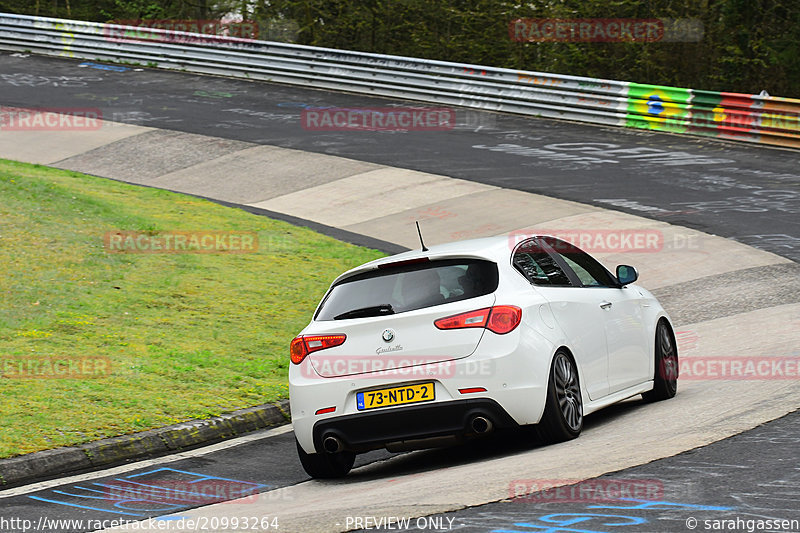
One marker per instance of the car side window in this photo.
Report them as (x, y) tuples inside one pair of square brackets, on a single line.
[(586, 278), (538, 266), (589, 270)]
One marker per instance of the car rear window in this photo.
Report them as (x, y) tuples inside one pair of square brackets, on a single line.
[(408, 287)]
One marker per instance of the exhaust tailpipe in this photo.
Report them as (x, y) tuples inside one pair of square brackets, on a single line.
[(481, 425), (332, 444)]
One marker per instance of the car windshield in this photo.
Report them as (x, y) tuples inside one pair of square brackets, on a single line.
[(408, 287)]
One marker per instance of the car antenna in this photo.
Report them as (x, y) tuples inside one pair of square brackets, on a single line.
[(424, 248)]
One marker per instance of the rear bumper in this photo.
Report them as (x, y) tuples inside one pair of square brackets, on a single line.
[(371, 430), (513, 369)]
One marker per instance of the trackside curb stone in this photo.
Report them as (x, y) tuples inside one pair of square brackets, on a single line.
[(49, 463)]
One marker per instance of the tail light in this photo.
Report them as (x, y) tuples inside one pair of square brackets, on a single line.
[(472, 319), (504, 318), (500, 319), (305, 344)]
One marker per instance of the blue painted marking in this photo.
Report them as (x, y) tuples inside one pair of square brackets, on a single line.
[(200, 477), (88, 490), (154, 490), (303, 106), (557, 524), (584, 517), (84, 495), (654, 106), (150, 508), (84, 506), (119, 504), (545, 529), (359, 111), (98, 66), (650, 504), (561, 525), (149, 496)]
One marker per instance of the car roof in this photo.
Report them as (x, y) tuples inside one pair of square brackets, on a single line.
[(496, 249)]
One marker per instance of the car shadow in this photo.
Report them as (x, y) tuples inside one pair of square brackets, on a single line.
[(502, 443)]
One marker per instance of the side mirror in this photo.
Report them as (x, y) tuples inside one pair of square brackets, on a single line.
[(626, 274)]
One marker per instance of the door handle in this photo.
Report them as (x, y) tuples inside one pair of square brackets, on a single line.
[(605, 305)]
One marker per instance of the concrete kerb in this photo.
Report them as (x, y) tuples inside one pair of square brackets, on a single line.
[(24, 469)]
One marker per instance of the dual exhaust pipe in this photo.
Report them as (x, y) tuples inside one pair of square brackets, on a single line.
[(479, 425)]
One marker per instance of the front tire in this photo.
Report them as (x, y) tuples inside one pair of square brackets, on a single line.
[(563, 412), (325, 465), (665, 381)]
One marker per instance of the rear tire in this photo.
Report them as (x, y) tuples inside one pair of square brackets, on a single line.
[(325, 465), (665, 380), (563, 412)]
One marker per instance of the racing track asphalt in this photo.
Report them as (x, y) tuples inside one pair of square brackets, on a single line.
[(762, 176), (744, 192), (729, 485), (750, 476)]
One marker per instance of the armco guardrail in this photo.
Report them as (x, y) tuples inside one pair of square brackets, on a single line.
[(743, 117)]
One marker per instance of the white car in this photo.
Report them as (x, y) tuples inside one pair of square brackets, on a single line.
[(436, 346)]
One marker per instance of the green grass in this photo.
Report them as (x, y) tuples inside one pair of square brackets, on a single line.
[(187, 335)]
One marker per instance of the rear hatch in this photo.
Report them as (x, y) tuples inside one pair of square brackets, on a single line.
[(389, 315)]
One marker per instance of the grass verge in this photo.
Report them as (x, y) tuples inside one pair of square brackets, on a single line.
[(185, 335)]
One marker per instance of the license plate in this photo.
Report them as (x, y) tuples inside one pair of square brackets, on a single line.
[(420, 392)]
